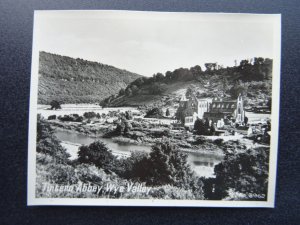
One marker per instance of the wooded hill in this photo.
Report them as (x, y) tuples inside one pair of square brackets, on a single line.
[(69, 80), (252, 78)]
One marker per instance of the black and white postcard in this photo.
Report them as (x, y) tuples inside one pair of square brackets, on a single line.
[(132, 108)]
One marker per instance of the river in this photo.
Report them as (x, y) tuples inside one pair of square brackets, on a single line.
[(202, 164)]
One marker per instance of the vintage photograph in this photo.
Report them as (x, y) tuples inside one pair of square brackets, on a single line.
[(154, 109)]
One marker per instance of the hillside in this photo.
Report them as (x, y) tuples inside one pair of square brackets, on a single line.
[(70, 80), (253, 79)]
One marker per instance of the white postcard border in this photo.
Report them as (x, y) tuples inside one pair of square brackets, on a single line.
[(31, 181)]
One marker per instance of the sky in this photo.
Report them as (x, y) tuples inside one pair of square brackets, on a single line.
[(151, 42)]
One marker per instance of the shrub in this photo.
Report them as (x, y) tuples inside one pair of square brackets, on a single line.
[(89, 115), (128, 115), (218, 141), (200, 140), (155, 113), (96, 153), (52, 117), (55, 105)]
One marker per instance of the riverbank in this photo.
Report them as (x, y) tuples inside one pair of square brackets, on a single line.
[(90, 130), (185, 143)]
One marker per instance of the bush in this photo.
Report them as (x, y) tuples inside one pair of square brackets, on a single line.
[(96, 153), (79, 119), (201, 127), (52, 117), (55, 105), (128, 115), (70, 118), (89, 115), (200, 140), (218, 141), (154, 113)]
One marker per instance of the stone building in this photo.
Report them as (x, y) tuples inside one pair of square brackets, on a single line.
[(218, 111), (195, 108), (227, 110)]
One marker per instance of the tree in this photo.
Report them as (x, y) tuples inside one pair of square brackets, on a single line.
[(169, 75), (134, 89), (157, 88), (105, 102), (167, 112), (128, 115), (139, 81), (133, 166), (96, 153), (202, 127), (154, 113), (199, 127), (121, 92), (246, 120), (98, 116), (47, 142), (159, 77), (55, 105), (196, 70), (128, 92), (238, 88), (189, 92), (128, 127), (210, 66), (52, 117), (183, 74), (167, 165), (225, 86), (122, 128), (242, 170), (212, 129), (206, 123), (119, 129), (89, 115)]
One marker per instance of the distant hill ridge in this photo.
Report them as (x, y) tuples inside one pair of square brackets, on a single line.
[(70, 80)]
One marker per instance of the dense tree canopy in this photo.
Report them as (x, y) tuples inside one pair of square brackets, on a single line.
[(165, 165), (244, 78), (47, 142), (72, 80), (202, 127), (242, 171)]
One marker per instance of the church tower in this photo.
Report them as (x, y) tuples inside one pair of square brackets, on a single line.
[(183, 101)]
